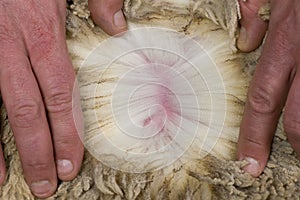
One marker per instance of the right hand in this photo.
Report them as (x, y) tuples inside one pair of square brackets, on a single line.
[(275, 84)]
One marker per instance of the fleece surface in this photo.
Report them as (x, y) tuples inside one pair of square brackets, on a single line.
[(214, 176)]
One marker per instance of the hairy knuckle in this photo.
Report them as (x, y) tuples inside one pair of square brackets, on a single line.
[(261, 102), (44, 35), (42, 42), (24, 112)]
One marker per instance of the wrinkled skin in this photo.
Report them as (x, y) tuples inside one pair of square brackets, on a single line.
[(276, 81), (37, 81)]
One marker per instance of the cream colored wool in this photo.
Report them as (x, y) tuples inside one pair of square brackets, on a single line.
[(217, 175)]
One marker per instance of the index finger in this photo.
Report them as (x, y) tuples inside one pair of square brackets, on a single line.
[(266, 97)]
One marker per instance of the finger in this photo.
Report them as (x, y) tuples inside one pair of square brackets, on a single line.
[(253, 28), (54, 72), (2, 162), (108, 15), (2, 167), (266, 97), (28, 120), (291, 119)]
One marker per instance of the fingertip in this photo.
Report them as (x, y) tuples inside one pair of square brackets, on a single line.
[(242, 42), (119, 20), (108, 15), (68, 169), (69, 162), (112, 24), (253, 167), (251, 37), (256, 155), (254, 150), (253, 28), (65, 169), (43, 189)]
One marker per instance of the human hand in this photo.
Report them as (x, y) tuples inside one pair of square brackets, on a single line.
[(275, 84), (36, 82)]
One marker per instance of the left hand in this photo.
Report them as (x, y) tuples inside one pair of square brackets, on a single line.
[(276, 81)]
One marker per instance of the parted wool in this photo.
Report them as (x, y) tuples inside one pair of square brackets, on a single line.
[(153, 96), (162, 106), (158, 98)]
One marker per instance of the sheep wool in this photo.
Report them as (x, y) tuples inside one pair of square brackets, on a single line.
[(162, 105)]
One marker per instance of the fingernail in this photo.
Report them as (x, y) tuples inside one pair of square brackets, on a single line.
[(242, 40), (41, 188), (119, 19), (64, 167), (253, 167)]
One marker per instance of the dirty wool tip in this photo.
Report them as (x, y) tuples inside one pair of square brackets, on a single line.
[(149, 97)]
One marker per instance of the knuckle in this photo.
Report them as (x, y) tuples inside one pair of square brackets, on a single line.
[(291, 125), (24, 112), (261, 102), (44, 36), (43, 41), (70, 141), (37, 166), (283, 45), (59, 99), (253, 140), (4, 32), (8, 34)]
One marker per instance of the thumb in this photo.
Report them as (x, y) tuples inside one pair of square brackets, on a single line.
[(253, 28), (108, 15)]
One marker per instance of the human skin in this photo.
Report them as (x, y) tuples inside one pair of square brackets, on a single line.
[(36, 83), (276, 81)]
